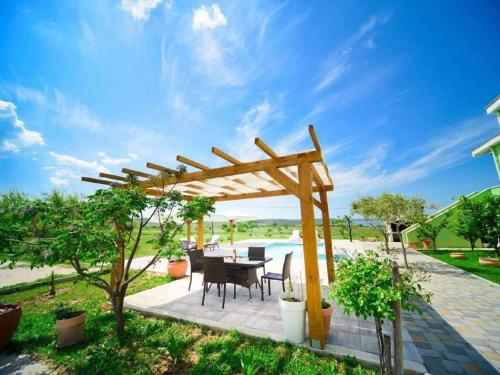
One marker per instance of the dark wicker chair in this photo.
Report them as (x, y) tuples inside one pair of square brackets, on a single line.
[(188, 245), (195, 263), (277, 276), (257, 253), (214, 272)]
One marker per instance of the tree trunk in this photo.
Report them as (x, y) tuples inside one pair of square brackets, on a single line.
[(403, 246), (434, 243), (380, 339), (472, 244), (386, 242), (387, 355), (118, 310)]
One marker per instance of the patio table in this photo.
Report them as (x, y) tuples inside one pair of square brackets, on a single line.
[(243, 271)]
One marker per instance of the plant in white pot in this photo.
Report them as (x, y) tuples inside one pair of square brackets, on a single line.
[(293, 313)]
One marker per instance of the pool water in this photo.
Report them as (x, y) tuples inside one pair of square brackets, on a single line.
[(277, 250)]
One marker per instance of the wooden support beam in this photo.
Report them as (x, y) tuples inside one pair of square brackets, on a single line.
[(99, 181), (317, 146), (235, 161), (327, 236), (267, 194), (199, 235), (231, 231), (313, 286)]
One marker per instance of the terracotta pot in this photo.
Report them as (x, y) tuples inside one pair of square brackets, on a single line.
[(70, 331), (427, 244), (177, 269), (10, 316), (412, 244), (457, 255), (490, 262), (327, 319)]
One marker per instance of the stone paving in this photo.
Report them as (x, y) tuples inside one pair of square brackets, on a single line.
[(460, 332), (23, 274)]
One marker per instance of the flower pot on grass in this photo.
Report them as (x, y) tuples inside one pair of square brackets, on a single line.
[(412, 245), (177, 264), (327, 309), (427, 244), (457, 255), (10, 316), (69, 326), (490, 262), (177, 268)]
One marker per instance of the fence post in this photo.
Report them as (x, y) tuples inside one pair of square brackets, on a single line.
[(397, 330)]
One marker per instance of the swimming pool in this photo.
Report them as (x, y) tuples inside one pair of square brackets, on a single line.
[(277, 250)]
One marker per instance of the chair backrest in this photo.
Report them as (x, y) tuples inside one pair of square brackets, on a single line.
[(287, 264), (185, 245), (295, 235), (214, 270), (195, 260), (215, 239), (256, 253)]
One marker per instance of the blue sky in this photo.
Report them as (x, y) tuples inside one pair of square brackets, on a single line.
[(396, 91)]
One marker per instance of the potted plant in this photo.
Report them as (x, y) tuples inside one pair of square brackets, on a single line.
[(10, 316), (293, 314), (327, 309), (69, 325), (490, 262), (177, 264), (427, 243)]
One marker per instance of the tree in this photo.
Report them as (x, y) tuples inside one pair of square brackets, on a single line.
[(104, 229), (386, 209), (491, 222), (364, 287), (251, 225), (429, 230), (467, 220)]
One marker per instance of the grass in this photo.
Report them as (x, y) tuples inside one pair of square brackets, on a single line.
[(152, 346), (470, 264), (278, 231)]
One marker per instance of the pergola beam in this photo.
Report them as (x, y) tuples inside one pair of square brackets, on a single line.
[(161, 168), (267, 194), (317, 146)]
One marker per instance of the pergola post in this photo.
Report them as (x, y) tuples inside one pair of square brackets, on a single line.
[(231, 230), (199, 237), (188, 230), (313, 287), (327, 236)]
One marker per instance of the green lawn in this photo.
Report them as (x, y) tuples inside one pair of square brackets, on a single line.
[(471, 264), (150, 345), (262, 231)]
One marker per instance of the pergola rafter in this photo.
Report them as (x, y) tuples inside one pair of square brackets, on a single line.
[(294, 174)]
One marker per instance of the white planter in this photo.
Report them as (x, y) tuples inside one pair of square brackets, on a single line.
[(294, 320)]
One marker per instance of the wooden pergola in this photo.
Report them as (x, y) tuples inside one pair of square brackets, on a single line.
[(300, 174)]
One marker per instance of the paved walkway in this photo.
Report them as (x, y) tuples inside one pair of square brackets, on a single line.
[(22, 364), (461, 328), (24, 274)]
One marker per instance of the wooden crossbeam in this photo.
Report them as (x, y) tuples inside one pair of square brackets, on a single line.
[(99, 181), (235, 161), (161, 168), (317, 146), (137, 173), (269, 151), (203, 167), (267, 194), (113, 177)]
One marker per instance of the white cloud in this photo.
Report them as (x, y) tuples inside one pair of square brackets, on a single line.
[(71, 161), (21, 137), (57, 181), (140, 9), (73, 114), (208, 18), (106, 159), (444, 150), (250, 126), (337, 65)]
